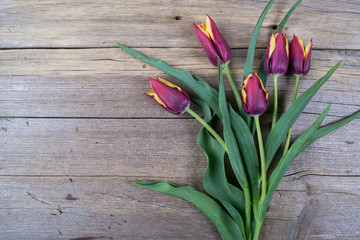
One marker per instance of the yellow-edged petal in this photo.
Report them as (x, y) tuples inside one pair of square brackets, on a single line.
[(286, 45), (307, 48), (262, 86), (208, 27), (169, 84), (153, 95), (272, 44)]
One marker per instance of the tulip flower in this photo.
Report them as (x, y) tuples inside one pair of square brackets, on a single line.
[(171, 97), (277, 55), (276, 63), (254, 96), (213, 42), (300, 56)]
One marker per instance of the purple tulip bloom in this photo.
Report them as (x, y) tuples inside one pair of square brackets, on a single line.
[(213, 42), (254, 96), (171, 97)]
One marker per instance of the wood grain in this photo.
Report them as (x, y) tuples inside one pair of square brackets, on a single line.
[(110, 83), (164, 23), (112, 208), (140, 148), (76, 127)]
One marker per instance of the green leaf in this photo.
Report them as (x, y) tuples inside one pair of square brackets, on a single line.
[(245, 142), (328, 129), (198, 86), (278, 133), (283, 164), (248, 68), (226, 226), (232, 149), (262, 73), (215, 181)]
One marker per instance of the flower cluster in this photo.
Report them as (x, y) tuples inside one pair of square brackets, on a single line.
[(279, 59), (238, 210)]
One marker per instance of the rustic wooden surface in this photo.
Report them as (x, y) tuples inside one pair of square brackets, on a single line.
[(76, 127)]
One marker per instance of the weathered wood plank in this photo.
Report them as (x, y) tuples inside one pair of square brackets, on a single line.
[(79, 128), (95, 208), (146, 148), (160, 23), (110, 83), (113, 208)]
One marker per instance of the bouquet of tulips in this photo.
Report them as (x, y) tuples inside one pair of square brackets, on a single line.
[(238, 209)]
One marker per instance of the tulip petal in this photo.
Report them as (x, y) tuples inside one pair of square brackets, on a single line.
[(169, 96), (308, 48), (269, 52), (254, 95), (296, 56), (169, 84), (300, 56), (307, 59), (153, 95), (220, 43), (286, 45), (207, 43), (280, 58), (271, 45)]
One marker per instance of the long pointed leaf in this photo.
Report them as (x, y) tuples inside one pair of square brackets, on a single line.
[(245, 142), (215, 181), (232, 149), (278, 133), (226, 226), (248, 68), (328, 129), (287, 159)]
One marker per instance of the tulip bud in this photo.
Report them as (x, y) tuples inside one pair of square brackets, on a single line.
[(213, 42), (169, 96), (254, 96), (300, 56), (277, 54)]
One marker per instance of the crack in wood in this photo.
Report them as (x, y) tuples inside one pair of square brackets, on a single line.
[(39, 199)]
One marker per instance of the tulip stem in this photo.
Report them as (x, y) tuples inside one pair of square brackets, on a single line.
[(263, 176), (275, 76), (257, 230), (262, 159), (233, 85), (287, 143), (208, 127)]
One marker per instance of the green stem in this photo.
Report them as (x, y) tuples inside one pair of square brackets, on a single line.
[(262, 159), (287, 143), (275, 76), (263, 174), (208, 127), (233, 85), (257, 230)]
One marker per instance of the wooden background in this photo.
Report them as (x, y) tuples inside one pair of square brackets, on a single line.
[(76, 127)]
